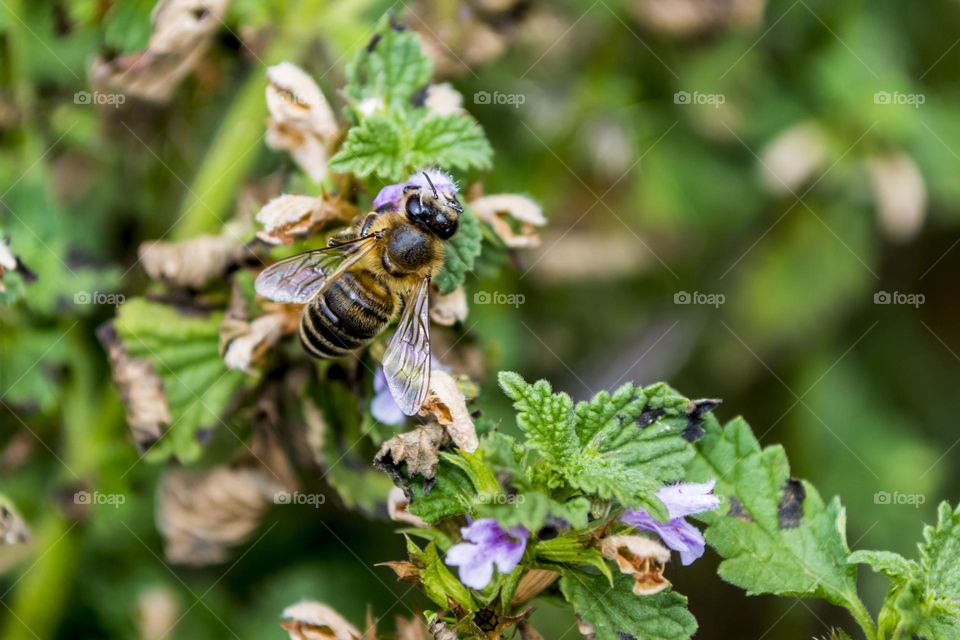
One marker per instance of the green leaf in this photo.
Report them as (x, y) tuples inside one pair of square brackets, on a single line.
[(532, 509), (616, 613), (439, 583), (448, 494), (625, 405), (545, 418), (127, 25), (890, 564), (460, 252), (185, 354), (570, 550), (451, 141), (392, 68), (777, 536), (374, 147), (30, 359), (940, 558)]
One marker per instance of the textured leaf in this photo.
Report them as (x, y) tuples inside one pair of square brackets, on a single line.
[(777, 536), (940, 557), (890, 564), (545, 417), (570, 550), (460, 252), (439, 583), (453, 141), (617, 614), (184, 352), (392, 68), (374, 147)]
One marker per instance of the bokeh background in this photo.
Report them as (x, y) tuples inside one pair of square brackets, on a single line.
[(755, 201)]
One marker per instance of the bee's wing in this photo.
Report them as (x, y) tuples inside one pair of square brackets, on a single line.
[(406, 362), (296, 280)]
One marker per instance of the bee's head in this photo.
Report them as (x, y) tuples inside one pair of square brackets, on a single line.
[(437, 212)]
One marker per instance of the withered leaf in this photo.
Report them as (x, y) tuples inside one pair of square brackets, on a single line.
[(311, 620), (141, 390), (640, 557), (195, 262), (448, 406), (417, 449)]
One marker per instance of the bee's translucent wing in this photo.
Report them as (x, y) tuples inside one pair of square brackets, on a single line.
[(406, 362), (297, 279)]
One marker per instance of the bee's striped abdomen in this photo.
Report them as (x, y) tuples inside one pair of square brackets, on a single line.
[(348, 315)]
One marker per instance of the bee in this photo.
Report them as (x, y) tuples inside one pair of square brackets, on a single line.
[(357, 285)]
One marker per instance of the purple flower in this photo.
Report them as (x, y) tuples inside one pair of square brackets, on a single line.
[(383, 407), (487, 544), (390, 194), (682, 499)]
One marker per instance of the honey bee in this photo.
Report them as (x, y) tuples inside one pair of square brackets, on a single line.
[(357, 285)]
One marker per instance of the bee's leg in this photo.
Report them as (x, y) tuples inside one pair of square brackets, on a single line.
[(367, 223)]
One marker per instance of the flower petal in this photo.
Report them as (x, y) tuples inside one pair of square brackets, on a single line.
[(687, 498)]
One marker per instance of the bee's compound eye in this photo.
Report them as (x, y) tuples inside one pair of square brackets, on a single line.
[(413, 206)]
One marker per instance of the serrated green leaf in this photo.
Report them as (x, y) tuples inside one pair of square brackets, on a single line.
[(940, 557), (778, 536), (391, 69), (890, 564), (545, 417), (452, 141), (605, 410), (185, 354), (373, 147), (459, 253), (449, 494), (616, 613)]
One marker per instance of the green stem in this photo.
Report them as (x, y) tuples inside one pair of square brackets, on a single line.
[(863, 618)]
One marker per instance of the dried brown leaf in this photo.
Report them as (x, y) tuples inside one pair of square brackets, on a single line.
[(502, 209), (448, 309), (193, 263), (182, 33), (412, 629), (417, 449), (448, 406), (532, 584), (141, 391), (641, 557), (311, 620), (289, 217), (406, 571), (397, 503)]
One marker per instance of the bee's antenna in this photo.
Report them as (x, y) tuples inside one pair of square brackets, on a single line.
[(430, 182)]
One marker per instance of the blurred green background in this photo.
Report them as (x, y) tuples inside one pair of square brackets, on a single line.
[(753, 201)]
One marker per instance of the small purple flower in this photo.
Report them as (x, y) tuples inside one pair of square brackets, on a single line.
[(487, 544), (383, 407), (391, 194), (682, 499)]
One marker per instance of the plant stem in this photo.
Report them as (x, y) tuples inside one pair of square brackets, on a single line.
[(863, 618)]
